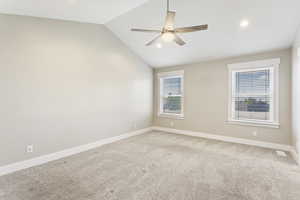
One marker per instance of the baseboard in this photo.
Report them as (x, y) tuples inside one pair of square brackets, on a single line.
[(295, 156), (232, 139), (65, 153)]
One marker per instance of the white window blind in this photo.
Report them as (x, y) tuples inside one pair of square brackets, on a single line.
[(252, 97), (254, 92), (171, 94)]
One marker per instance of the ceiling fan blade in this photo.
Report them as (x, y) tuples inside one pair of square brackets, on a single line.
[(191, 29), (154, 40), (145, 30), (169, 24), (178, 40)]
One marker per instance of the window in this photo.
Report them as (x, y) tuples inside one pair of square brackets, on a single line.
[(253, 98), (171, 94)]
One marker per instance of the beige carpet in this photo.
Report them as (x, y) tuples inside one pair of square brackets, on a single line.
[(160, 166)]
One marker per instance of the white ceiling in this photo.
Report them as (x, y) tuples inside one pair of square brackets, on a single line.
[(273, 25), (92, 11)]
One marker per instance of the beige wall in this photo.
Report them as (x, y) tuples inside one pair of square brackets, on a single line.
[(65, 84), (296, 93), (206, 99)]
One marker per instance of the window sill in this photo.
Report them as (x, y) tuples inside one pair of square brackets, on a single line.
[(253, 123), (171, 116)]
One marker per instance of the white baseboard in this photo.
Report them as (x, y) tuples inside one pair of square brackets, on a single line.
[(269, 145), (295, 156), (68, 152), (65, 153)]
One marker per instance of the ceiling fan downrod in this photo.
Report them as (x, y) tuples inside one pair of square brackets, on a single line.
[(168, 6)]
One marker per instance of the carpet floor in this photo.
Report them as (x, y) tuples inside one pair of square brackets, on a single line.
[(160, 166)]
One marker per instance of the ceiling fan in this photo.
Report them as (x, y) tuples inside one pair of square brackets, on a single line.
[(169, 32)]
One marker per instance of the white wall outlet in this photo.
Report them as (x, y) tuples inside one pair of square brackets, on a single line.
[(29, 149), (281, 153), (172, 124), (298, 51), (254, 133)]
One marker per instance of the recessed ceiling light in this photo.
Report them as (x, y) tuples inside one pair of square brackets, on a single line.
[(158, 45), (244, 23)]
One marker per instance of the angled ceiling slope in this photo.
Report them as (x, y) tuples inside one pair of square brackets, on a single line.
[(272, 25), (91, 11)]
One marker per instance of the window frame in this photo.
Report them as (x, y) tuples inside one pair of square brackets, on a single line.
[(164, 75), (273, 66)]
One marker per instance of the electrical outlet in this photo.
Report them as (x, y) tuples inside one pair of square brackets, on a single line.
[(29, 149), (171, 123), (254, 133), (281, 153)]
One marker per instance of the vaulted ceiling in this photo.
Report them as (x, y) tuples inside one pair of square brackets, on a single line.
[(272, 24), (92, 11)]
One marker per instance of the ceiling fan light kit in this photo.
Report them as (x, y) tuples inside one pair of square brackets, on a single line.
[(169, 33), (168, 37)]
